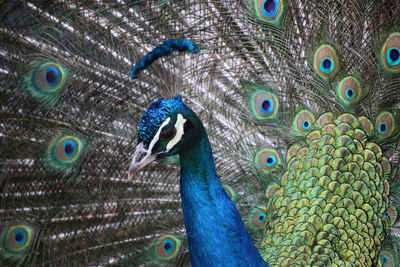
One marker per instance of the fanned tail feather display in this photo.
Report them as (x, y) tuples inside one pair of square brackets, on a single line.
[(273, 123)]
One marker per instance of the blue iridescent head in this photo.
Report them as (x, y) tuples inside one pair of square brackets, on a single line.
[(166, 128), (158, 112)]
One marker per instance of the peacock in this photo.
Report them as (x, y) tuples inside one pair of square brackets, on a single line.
[(199, 133)]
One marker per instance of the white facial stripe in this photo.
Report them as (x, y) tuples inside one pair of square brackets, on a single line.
[(157, 136), (140, 150), (180, 122)]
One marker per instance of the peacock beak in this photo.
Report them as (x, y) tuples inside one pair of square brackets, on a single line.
[(140, 159)]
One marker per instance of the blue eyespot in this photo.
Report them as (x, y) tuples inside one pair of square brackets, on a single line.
[(382, 128), (20, 237), (262, 217), (168, 246), (64, 152), (271, 160), (306, 125), (52, 76), (267, 106), (384, 259), (350, 93), (393, 56), (257, 218), (386, 214), (270, 8), (327, 65), (69, 148)]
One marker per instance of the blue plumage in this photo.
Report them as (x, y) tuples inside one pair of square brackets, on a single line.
[(216, 233), (214, 228), (157, 112), (165, 49)]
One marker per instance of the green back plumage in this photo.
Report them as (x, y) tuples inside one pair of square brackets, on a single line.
[(301, 108)]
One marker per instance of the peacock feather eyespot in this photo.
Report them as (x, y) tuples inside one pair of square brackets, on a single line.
[(306, 125), (264, 105), (392, 213), (49, 76), (269, 11), (385, 124), (267, 106), (384, 259), (267, 159), (167, 247), (64, 152), (257, 218), (326, 61), (16, 240), (327, 65), (303, 122), (349, 90), (46, 80), (388, 258), (391, 52), (382, 129)]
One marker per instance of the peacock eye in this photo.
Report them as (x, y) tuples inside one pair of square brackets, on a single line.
[(385, 124), (267, 159), (326, 61), (391, 53), (349, 90), (257, 218), (65, 152), (391, 213), (303, 122), (269, 11), (167, 133), (167, 247), (264, 105), (387, 258), (49, 76), (17, 238)]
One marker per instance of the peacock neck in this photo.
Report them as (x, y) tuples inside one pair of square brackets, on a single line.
[(215, 230), (197, 163)]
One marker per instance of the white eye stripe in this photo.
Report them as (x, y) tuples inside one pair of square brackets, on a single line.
[(179, 125), (157, 136)]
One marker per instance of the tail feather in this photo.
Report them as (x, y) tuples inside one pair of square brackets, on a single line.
[(261, 87)]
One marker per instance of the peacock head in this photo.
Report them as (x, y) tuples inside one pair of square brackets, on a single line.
[(168, 127)]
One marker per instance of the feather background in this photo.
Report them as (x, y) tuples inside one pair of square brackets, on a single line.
[(86, 211)]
